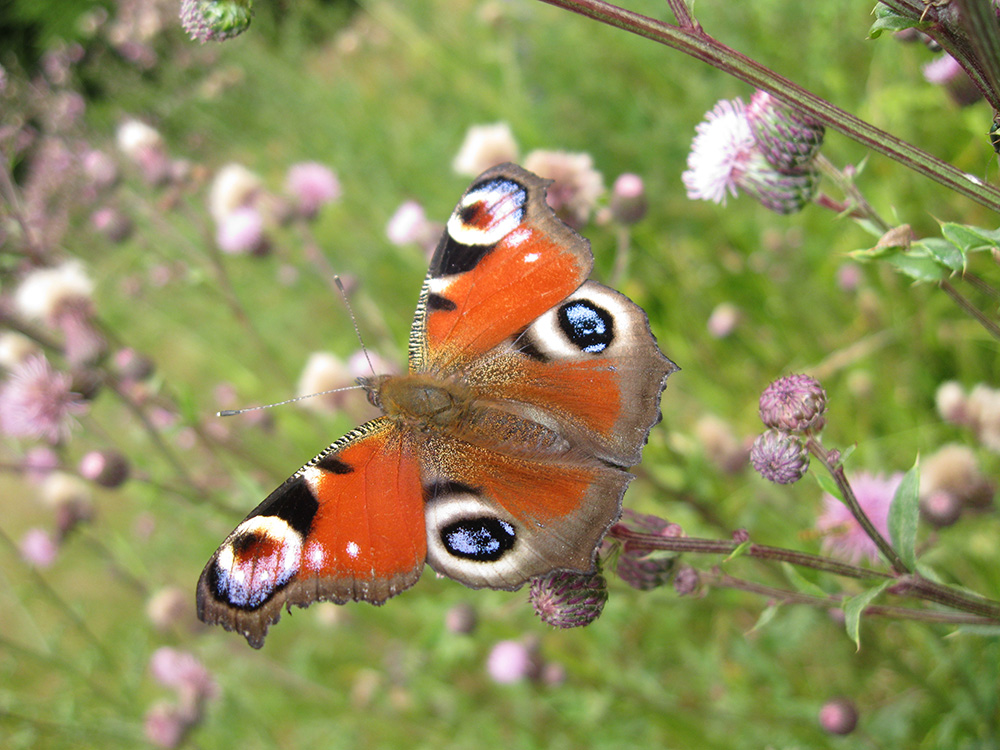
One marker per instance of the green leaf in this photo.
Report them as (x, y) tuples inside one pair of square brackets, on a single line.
[(903, 516), (854, 606), (947, 253), (887, 19), (828, 485), (919, 268), (739, 551), (765, 617), (970, 238), (800, 582)]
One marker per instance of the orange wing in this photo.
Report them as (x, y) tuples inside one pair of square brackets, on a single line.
[(349, 525)]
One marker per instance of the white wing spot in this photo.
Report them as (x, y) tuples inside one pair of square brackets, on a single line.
[(531, 257), (353, 550)]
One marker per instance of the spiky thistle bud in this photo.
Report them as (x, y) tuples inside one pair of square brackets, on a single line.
[(794, 403), (779, 457), (788, 138), (569, 600), (215, 20)]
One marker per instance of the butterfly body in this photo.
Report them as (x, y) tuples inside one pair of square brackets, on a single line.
[(500, 456)]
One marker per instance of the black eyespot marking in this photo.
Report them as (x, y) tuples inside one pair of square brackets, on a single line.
[(453, 257), (484, 539), (588, 326), (437, 302), (445, 488), (293, 503), (333, 465)]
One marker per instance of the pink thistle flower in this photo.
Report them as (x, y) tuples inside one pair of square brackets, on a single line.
[(726, 157), (241, 231), (183, 672), (510, 662), (38, 548), (722, 146), (324, 372), (36, 402), (144, 146), (62, 298), (313, 185), (165, 725), (628, 198), (485, 146), (843, 536), (575, 187), (409, 225)]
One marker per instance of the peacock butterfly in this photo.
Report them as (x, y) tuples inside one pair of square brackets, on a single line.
[(501, 455)]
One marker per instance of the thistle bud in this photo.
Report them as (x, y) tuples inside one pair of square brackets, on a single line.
[(794, 403), (569, 600), (788, 138), (779, 457), (215, 20)]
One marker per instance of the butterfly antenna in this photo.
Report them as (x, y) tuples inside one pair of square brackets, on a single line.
[(234, 412), (354, 321)]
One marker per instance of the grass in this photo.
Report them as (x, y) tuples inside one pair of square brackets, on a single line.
[(384, 94)]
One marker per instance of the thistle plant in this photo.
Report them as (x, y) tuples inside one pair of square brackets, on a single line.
[(809, 547)]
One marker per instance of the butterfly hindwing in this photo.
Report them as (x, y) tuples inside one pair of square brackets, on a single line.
[(348, 526)]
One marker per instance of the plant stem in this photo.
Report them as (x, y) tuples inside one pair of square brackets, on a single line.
[(696, 43), (635, 541), (721, 580), (836, 470), (992, 328)]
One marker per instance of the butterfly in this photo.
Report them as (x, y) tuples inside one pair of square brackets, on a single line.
[(500, 456)]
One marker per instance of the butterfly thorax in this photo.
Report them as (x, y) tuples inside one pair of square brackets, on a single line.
[(420, 401)]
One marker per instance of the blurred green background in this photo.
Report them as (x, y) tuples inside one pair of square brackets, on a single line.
[(383, 92)]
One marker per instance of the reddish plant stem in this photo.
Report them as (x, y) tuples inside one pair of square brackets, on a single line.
[(696, 43)]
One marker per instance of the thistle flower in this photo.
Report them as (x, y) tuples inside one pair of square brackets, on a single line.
[(720, 444), (409, 225), (15, 348), (183, 672), (144, 146), (954, 471), (68, 498), (794, 403), (38, 548), (512, 661), (575, 187), (312, 185), (324, 372), (568, 600), (215, 20), (843, 536), (779, 457), (725, 158), (485, 146), (628, 198), (723, 320), (112, 223), (946, 71), (169, 607), (838, 716), (36, 402), (61, 298), (788, 138), (461, 619), (241, 231), (234, 187), (106, 468), (165, 725)]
